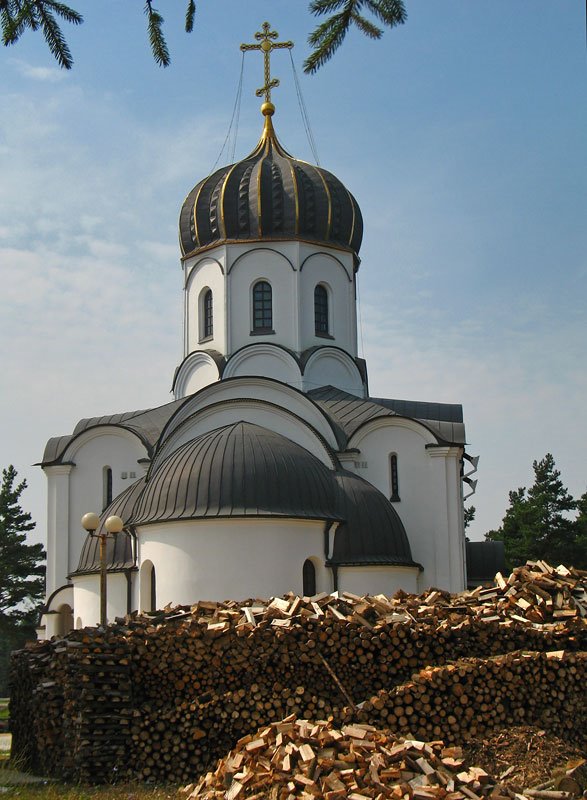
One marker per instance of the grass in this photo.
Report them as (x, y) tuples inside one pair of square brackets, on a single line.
[(59, 791), (3, 708)]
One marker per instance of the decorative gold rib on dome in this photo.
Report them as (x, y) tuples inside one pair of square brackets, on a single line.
[(195, 213), (328, 195), (350, 242)]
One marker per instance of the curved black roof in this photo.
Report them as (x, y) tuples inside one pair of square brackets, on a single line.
[(236, 471), (372, 532), (270, 194), (119, 550), (244, 470)]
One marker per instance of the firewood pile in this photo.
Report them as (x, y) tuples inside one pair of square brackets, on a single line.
[(299, 758), (70, 702), (162, 696)]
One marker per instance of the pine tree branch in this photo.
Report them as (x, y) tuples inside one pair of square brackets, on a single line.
[(366, 27), (156, 37), (329, 35), (54, 37), (189, 16)]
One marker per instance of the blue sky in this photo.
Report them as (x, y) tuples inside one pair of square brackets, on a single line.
[(463, 136)]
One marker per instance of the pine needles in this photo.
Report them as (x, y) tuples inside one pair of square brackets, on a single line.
[(18, 15), (329, 35)]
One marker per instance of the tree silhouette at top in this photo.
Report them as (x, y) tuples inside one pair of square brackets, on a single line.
[(16, 16)]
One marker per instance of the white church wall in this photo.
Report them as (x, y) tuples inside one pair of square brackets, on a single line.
[(266, 360), (275, 419), (331, 367), (236, 558), (91, 452), (268, 391), (335, 273), (86, 597), (429, 498), (57, 526), (377, 579), (197, 371), (262, 264), (205, 273)]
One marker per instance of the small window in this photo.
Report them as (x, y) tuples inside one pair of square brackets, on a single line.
[(309, 578), (208, 329), (321, 310), (106, 487), (153, 590), (262, 307), (393, 474)]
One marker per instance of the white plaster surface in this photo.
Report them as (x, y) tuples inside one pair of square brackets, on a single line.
[(234, 558)]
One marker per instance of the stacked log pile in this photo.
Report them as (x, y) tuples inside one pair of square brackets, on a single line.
[(473, 696), (204, 676), (298, 758), (71, 705)]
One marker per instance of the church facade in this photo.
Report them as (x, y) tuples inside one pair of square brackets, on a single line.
[(272, 469)]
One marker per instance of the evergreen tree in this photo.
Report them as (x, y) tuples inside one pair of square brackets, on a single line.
[(18, 15), (22, 575), (536, 525), (581, 533)]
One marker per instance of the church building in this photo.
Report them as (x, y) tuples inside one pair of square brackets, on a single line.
[(272, 469)]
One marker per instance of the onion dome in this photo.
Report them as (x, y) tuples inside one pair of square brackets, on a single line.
[(239, 470), (270, 195), (372, 532)]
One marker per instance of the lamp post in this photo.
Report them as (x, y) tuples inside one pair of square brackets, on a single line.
[(113, 526)]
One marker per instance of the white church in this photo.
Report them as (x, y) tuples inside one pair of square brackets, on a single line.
[(272, 469)]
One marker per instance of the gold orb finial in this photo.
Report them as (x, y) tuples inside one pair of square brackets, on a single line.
[(267, 109)]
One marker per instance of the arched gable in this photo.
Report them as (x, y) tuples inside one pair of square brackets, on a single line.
[(324, 254), (264, 359), (261, 389), (268, 415), (332, 366)]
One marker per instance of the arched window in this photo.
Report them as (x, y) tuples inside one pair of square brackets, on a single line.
[(64, 620), (262, 307), (393, 478), (106, 487), (320, 310), (148, 587), (153, 590), (309, 578), (208, 327)]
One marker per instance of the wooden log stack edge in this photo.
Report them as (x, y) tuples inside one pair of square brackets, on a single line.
[(162, 696)]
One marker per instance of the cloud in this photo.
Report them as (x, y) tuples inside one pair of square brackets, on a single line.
[(43, 74)]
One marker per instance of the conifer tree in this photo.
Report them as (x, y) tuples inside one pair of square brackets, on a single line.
[(16, 16), (22, 582), (536, 525)]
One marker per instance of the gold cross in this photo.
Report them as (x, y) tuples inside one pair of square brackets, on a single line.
[(266, 46)]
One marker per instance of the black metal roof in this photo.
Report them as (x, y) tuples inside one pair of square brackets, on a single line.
[(444, 420), (372, 532), (270, 194), (119, 550), (244, 470), (147, 424), (236, 471)]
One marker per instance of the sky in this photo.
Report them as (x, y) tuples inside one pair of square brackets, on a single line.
[(463, 136)]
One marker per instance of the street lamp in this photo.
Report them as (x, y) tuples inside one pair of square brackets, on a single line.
[(113, 526)]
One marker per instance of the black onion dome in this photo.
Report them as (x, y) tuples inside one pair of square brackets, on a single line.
[(372, 532), (239, 470), (270, 194)]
